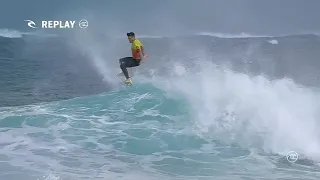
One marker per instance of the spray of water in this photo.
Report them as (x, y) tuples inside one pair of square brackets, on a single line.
[(100, 56), (276, 116)]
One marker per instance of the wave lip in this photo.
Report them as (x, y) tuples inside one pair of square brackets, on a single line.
[(224, 35), (10, 33), (247, 35)]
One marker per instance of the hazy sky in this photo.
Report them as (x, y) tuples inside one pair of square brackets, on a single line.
[(165, 17)]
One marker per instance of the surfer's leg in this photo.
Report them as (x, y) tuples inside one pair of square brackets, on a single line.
[(127, 62), (123, 66)]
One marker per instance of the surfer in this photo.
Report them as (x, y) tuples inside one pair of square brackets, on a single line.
[(137, 56)]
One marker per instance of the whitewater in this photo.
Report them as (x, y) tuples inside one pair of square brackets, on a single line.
[(213, 106)]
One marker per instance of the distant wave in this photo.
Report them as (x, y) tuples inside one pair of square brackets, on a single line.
[(150, 37), (246, 35), (220, 35), (224, 35), (273, 41), (230, 36), (11, 33), (213, 34)]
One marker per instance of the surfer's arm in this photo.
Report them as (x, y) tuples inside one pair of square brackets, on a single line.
[(142, 55), (142, 52)]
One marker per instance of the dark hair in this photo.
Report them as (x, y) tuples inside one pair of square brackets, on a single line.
[(130, 34)]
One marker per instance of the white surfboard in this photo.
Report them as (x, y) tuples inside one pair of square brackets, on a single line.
[(122, 77)]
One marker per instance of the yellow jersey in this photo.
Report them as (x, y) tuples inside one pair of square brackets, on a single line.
[(136, 49)]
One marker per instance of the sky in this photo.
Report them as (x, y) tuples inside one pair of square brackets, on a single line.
[(170, 17)]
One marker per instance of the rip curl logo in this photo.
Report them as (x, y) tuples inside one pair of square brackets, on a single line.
[(31, 24)]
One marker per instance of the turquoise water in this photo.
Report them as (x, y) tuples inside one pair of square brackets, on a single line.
[(134, 132)]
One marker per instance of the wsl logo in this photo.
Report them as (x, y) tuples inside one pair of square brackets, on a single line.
[(57, 24)]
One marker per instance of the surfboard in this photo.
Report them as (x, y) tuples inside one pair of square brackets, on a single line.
[(122, 77)]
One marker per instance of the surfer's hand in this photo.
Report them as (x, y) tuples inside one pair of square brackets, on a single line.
[(144, 58)]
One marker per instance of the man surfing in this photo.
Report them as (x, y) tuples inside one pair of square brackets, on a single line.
[(137, 56)]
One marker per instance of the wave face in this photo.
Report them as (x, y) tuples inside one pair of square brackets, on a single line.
[(201, 107)]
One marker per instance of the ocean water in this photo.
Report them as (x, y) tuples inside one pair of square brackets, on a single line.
[(203, 106)]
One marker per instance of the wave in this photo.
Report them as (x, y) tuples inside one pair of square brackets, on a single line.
[(247, 35), (11, 33), (277, 116), (220, 35), (208, 120), (213, 34), (224, 35)]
